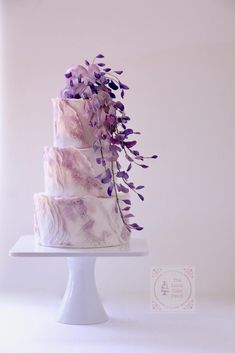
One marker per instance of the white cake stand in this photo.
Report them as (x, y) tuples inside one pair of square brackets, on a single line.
[(81, 304)]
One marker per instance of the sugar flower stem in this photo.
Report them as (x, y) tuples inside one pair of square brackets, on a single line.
[(131, 157), (126, 181), (117, 199)]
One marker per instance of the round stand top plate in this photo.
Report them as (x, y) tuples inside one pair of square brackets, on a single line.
[(27, 247)]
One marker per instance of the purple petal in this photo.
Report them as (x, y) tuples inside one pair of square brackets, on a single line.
[(154, 156), (126, 209), (98, 160), (121, 85), (136, 226), (129, 215), (101, 64), (97, 75), (144, 166), (122, 188), (119, 72), (122, 174), (107, 69), (113, 85), (135, 152), (68, 74), (119, 105), (130, 144), (105, 180), (129, 167), (110, 189), (99, 56), (129, 158), (140, 187), (112, 95), (131, 185), (128, 202), (128, 132), (141, 197), (87, 63), (108, 173), (122, 93)]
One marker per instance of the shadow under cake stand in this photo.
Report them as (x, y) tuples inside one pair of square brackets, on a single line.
[(81, 304)]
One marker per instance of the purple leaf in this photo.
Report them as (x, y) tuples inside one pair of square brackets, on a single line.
[(139, 158), (122, 188), (140, 187), (144, 166), (141, 197), (108, 177), (129, 158), (68, 74), (107, 69), (105, 180), (99, 56), (99, 176), (126, 209), (108, 173), (110, 189), (154, 156), (129, 144), (135, 152), (101, 64), (119, 72), (122, 174), (87, 63), (129, 215), (97, 75), (128, 132), (95, 147), (113, 85), (131, 185), (118, 165), (112, 95), (122, 93), (136, 226), (128, 202), (121, 85), (119, 105), (98, 160), (129, 167)]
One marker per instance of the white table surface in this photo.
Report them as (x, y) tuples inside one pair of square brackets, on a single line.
[(27, 247)]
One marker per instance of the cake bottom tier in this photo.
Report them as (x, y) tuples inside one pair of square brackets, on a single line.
[(78, 222)]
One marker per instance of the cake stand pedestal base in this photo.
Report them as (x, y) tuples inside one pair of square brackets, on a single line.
[(81, 304)]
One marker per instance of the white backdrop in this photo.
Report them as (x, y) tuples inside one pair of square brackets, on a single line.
[(178, 58)]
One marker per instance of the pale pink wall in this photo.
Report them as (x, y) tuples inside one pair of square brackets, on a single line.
[(178, 58)]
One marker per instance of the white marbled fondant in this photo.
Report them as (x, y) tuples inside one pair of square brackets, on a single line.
[(71, 123), (72, 172), (83, 222)]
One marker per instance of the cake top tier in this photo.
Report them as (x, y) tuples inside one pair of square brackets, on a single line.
[(71, 123)]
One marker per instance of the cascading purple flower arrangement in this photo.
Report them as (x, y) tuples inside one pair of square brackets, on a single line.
[(98, 85)]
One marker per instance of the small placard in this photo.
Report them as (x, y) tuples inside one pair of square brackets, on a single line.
[(172, 289)]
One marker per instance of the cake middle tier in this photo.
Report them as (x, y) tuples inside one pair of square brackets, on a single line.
[(72, 171)]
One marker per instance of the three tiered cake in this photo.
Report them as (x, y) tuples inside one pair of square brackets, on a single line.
[(86, 202)]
